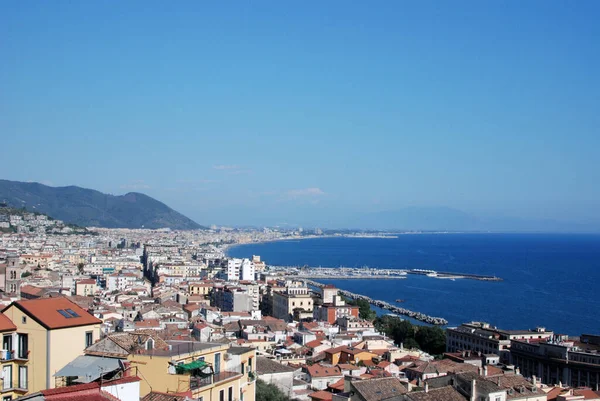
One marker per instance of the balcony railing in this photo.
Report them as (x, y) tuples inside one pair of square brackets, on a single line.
[(13, 385), (6, 355), (197, 382)]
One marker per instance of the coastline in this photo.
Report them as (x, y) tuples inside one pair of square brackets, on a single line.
[(227, 247)]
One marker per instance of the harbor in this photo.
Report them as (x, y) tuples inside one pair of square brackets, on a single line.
[(438, 321), (346, 273)]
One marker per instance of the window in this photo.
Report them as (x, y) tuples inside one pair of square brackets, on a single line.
[(230, 394), (64, 313), (22, 376), (250, 364), (243, 366), (23, 319), (72, 313), (149, 344), (222, 395), (7, 343), (7, 377), (23, 347), (89, 338)]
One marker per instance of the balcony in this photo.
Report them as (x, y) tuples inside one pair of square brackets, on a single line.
[(197, 382), (13, 385), (6, 355)]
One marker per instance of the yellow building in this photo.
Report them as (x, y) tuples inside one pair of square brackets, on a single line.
[(50, 332), (290, 301), (203, 371), (86, 287), (14, 369), (200, 288)]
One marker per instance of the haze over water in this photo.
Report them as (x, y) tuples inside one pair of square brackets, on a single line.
[(550, 280)]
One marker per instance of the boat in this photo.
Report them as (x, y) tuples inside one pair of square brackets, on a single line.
[(400, 301)]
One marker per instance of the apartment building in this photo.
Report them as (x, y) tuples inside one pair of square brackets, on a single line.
[(572, 362), (481, 337), (50, 332), (334, 309), (205, 371), (294, 302), (86, 287), (13, 360)]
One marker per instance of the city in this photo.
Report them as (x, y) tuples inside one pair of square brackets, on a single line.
[(134, 313)]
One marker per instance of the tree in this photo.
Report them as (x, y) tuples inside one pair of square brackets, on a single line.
[(80, 267), (364, 310), (25, 274), (269, 392), (431, 339)]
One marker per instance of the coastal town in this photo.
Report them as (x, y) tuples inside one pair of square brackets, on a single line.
[(130, 314)]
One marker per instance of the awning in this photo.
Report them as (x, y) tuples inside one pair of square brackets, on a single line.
[(88, 368), (188, 367)]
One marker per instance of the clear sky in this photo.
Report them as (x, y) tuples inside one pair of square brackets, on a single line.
[(271, 112)]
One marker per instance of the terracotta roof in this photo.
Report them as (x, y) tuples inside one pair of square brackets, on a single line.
[(71, 389), (379, 389), (321, 395), (6, 324), (45, 311), (323, 371), (156, 396)]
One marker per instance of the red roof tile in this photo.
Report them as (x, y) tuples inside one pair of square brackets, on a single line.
[(45, 311), (6, 324)]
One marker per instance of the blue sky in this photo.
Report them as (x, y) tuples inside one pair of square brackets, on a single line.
[(273, 112)]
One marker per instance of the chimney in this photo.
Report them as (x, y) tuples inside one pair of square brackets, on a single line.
[(426, 387), (485, 370), (517, 371), (473, 390), (534, 380), (480, 371)]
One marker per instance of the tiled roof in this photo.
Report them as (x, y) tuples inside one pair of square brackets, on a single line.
[(6, 324), (156, 396), (323, 371), (379, 389), (45, 311), (321, 395), (447, 393), (268, 366)]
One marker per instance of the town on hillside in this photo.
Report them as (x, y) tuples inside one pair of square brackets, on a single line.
[(163, 315)]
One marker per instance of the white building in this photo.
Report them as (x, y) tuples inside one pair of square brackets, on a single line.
[(247, 270), (233, 269)]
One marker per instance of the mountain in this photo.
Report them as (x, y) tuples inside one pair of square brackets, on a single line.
[(90, 208), (449, 219)]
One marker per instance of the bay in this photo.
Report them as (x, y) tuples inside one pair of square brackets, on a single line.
[(549, 280)]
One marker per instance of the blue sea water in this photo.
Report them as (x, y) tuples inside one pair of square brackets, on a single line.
[(550, 280)]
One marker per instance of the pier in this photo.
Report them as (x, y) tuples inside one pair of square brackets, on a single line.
[(387, 306)]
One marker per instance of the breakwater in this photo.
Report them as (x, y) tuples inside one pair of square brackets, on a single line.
[(386, 305)]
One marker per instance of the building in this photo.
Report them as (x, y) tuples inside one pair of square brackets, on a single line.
[(294, 299), (14, 369), (12, 284), (574, 363), (247, 271), (205, 371), (273, 372), (233, 269), (481, 337), (50, 332), (86, 287)]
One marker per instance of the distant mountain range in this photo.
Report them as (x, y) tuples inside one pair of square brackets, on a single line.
[(448, 219), (90, 208)]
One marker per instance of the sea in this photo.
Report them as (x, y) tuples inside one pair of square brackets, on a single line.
[(549, 280)]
